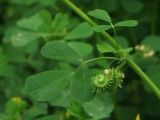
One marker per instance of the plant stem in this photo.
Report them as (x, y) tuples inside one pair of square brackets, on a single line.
[(99, 58), (130, 62), (114, 30), (88, 19)]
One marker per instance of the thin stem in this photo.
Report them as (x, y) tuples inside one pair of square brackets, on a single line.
[(88, 19), (130, 62), (111, 63), (99, 58), (114, 30), (121, 65)]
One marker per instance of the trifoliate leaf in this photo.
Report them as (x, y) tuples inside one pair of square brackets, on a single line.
[(82, 49), (63, 100), (59, 50), (30, 2), (153, 42), (99, 107), (22, 38), (101, 28), (121, 40), (100, 14), (125, 51), (104, 48), (132, 6), (83, 30), (81, 88), (47, 85), (40, 22), (71, 51), (127, 23), (60, 21)]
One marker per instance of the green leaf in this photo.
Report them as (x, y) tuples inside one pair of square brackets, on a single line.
[(122, 41), (127, 23), (22, 38), (99, 107), (63, 100), (76, 109), (71, 52), (40, 22), (9, 33), (82, 49), (132, 6), (125, 51), (81, 88), (46, 2), (152, 42), (83, 30), (51, 117), (36, 110), (14, 107), (30, 2), (101, 28), (100, 14), (46, 86), (59, 50), (60, 21), (3, 116), (104, 48), (153, 72)]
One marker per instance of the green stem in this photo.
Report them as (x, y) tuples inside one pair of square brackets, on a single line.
[(88, 19), (130, 62), (114, 30), (100, 58), (115, 34)]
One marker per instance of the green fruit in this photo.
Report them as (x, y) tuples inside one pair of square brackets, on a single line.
[(108, 79)]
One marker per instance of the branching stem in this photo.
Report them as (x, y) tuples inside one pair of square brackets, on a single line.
[(112, 41)]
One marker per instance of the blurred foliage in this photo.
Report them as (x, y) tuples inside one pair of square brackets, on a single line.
[(38, 36)]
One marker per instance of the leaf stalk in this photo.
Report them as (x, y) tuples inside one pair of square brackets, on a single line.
[(116, 46)]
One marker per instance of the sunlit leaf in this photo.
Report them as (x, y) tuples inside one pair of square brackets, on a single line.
[(104, 48), (100, 14), (101, 28), (127, 23), (83, 30)]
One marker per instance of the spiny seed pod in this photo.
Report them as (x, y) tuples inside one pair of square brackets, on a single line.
[(109, 79), (101, 80)]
